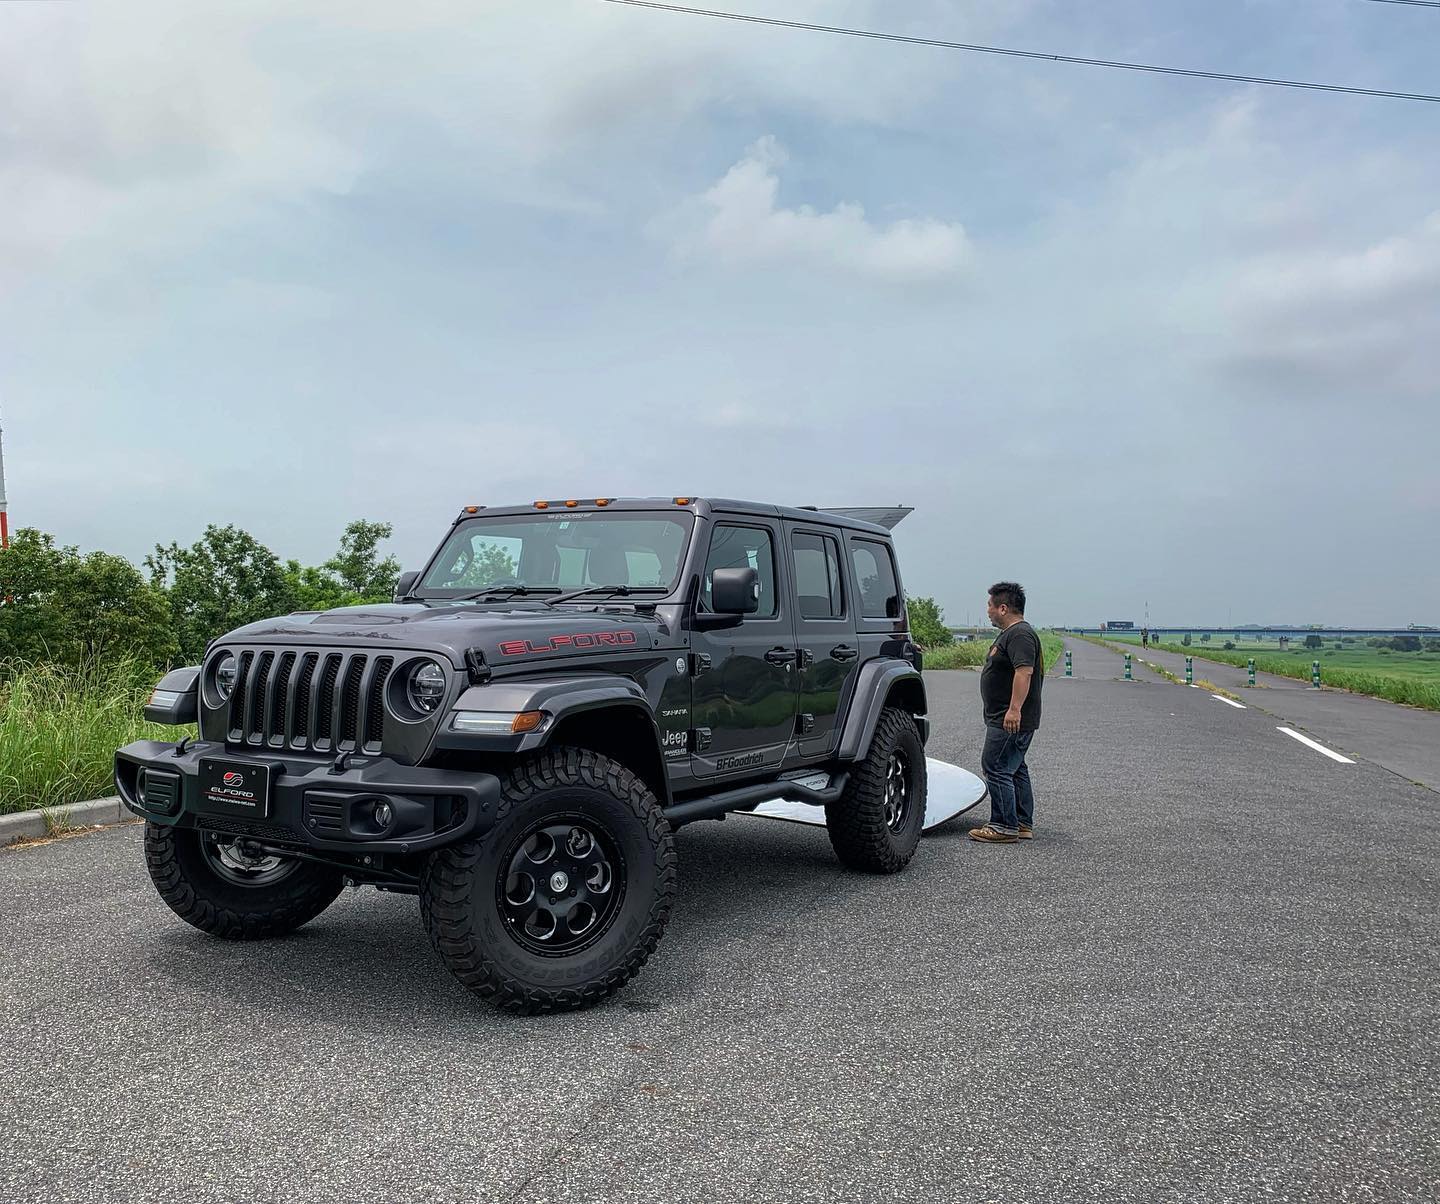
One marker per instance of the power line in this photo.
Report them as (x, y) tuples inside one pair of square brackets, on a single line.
[(1416, 3), (1028, 54)]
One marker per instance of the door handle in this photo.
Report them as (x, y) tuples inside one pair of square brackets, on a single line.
[(781, 656), (843, 652)]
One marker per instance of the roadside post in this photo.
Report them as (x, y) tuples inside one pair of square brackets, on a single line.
[(1128, 676), (1315, 674), (1067, 662), (1251, 671), (1189, 671)]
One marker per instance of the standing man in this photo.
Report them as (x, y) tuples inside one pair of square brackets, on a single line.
[(1010, 695)]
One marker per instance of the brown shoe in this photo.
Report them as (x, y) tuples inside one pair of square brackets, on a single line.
[(1027, 832), (992, 835)]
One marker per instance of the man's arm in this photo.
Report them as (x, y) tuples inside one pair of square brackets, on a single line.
[(1019, 691)]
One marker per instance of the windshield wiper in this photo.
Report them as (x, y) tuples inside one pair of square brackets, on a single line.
[(509, 591), (623, 590)]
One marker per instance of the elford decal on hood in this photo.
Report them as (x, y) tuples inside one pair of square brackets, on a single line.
[(452, 629)]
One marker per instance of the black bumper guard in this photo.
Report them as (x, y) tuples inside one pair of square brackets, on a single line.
[(311, 804)]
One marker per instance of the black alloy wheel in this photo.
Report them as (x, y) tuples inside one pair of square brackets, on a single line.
[(897, 791), (563, 885)]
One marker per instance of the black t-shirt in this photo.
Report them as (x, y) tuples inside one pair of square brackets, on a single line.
[(1015, 647)]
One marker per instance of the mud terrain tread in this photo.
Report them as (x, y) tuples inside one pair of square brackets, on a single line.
[(297, 899), (856, 823), (445, 886)]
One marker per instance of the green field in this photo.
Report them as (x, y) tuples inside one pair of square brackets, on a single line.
[(1407, 677)]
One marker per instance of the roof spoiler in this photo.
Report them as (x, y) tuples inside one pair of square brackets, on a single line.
[(882, 516)]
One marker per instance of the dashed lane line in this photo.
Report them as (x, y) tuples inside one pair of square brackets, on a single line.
[(1320, 748), (1229, 702)]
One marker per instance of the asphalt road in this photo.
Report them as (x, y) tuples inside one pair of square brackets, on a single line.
[(1210, 977), (1405, 740)]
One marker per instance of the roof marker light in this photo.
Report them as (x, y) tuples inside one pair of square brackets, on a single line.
[(571, 505), (682, 501), (602, 501), (542, 505)]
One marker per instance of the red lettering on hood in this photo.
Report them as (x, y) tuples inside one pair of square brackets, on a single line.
[(579, 639)]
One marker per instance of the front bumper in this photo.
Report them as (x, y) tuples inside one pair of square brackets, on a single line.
[(311, 805)]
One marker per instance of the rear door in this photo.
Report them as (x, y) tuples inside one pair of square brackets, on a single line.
[(824, 636), (743, 683)]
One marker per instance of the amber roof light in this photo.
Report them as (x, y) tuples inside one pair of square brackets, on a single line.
[(542, 505), (683, 501)]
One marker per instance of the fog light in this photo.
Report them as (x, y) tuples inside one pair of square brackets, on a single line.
[(140, 788), (383, 814)]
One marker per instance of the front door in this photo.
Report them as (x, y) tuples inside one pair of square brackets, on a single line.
[(824, 636), (743, 683)]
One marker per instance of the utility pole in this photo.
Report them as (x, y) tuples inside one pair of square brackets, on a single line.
[(4, 518)]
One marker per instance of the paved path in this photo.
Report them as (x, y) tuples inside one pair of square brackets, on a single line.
[(1212, 977), (1405, 740)]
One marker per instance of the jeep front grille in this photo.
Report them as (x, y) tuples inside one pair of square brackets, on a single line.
[(320, 701)]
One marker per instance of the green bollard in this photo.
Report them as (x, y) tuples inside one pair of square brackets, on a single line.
[(1315, 674), (1189, 671), (1251, 670), (1067, 662), (1127, 668)]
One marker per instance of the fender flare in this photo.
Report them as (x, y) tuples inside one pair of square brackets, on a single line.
[(877, 678), (560, 697)]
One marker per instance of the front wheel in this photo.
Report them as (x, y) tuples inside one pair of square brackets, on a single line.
[(875, 825), (568, 894), (229, 887)]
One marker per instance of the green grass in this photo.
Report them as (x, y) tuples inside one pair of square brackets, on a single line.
[(971, 655), (59, 729), (1412, 678)]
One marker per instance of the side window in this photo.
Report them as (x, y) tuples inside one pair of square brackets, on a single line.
[(875, 575), (817, 576), (739, 548)]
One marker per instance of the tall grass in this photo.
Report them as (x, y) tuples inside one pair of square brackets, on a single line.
[(60, 727), (971, 655)]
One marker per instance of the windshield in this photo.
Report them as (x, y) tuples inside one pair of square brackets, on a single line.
[(560, 551)]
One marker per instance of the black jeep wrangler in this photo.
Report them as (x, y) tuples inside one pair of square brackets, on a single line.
[(517, 736)]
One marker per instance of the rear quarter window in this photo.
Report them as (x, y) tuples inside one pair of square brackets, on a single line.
[(875, 579)]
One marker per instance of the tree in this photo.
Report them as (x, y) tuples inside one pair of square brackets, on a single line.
[(1314, 641), (1406, 643), (927, 623), (226, 579), (1205, 638), (63, 607), (1186, 640), (357, 565), (1432, 645)]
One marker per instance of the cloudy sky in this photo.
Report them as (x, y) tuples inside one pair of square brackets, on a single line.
[(1123, 337)]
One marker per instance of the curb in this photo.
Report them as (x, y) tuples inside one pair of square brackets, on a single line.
[(36, 825)]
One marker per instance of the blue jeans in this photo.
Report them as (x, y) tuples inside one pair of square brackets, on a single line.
[(1003, 762)]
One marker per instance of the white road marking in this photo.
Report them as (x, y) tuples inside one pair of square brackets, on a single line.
[(1239, 706), (1320, 748)]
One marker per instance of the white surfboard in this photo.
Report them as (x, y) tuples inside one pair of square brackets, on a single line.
[(951, 791)]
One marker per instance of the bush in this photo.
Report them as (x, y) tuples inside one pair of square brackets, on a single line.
[(1314, 641), (927, 623), (1229, 645)]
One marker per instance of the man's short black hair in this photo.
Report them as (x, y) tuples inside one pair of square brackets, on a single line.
[(1011, 594)]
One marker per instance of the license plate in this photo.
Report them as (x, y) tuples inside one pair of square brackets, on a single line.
[(237, 788)]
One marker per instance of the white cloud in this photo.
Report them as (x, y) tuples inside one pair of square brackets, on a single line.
[(739, 222)]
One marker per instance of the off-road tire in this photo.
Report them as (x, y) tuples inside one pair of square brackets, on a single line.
[(859, 833), (462, 913), (196, 893)]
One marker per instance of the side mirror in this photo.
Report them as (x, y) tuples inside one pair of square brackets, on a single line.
[(176, 700), (735, 591), (404, 584)]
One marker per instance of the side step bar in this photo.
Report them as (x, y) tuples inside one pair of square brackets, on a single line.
[(715, 806)]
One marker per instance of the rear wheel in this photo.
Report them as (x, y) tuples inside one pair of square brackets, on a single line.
[(228, 886), (567, 896), (875, 825)]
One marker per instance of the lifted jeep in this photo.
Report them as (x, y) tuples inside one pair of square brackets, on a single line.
[(517, 736)]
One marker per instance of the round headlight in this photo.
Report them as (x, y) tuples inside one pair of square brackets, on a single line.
[(426, 686), (225, 675)]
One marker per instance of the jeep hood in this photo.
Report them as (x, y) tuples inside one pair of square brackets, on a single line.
[(505, 637)]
